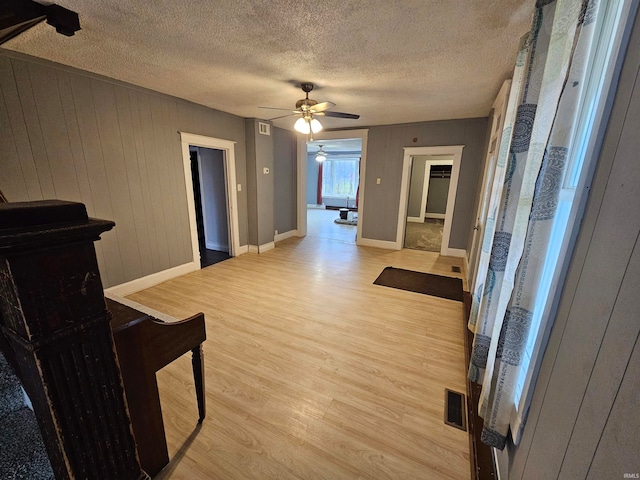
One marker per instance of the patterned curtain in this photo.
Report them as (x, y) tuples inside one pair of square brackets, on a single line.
[(553, 62)]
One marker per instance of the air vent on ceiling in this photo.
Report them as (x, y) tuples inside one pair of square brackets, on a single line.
[(264, 128)]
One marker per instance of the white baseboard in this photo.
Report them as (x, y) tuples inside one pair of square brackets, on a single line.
[(262, 248), (217, 246), (153, 279), (415, 219), (141, 308), (370, 242), (456, 252), (266, 247), (434, 215), (242, 249), (283, 236)]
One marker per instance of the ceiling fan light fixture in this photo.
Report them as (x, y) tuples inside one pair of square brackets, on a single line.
[(316, 126), (302, 126), (321, 155)]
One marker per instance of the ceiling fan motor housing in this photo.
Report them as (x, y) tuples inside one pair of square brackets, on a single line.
[(306, 103)]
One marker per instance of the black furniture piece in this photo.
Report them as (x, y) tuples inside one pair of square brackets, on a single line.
[(55, 332)]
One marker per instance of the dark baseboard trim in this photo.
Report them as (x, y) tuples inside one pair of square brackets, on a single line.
[(482, 464)]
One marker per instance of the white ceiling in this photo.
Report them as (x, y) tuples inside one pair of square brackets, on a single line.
[(388, 61)]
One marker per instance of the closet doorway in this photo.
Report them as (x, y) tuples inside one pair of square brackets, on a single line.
[(429, 184)]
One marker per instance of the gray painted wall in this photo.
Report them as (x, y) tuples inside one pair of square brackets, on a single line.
[(384, 159), (416, 186), (312, 180), (214, 199), (260, 186), (285, 173), (584, 420), (437, 195), (72, 135)]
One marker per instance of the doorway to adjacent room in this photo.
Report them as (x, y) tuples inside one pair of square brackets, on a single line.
[(429, 183), (210, 198)]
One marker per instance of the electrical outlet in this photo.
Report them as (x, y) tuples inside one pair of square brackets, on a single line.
[(378, 180)]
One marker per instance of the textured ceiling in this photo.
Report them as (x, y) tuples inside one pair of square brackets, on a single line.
[(388, 61)]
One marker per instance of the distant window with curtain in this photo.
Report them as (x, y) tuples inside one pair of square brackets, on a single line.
[(340, 177)]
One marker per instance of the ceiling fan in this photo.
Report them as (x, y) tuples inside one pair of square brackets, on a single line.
[(308, 108)]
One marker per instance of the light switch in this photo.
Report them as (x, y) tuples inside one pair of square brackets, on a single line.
[(378, 180), (239, 187), (265, 170)]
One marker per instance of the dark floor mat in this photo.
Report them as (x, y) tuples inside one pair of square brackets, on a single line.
[(426, 283)]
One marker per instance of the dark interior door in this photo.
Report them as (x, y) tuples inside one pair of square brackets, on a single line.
[(197, 197)]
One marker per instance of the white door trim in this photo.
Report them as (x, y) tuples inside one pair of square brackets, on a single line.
[(409, 152), (228, 149), (302, 175), (491, 157)]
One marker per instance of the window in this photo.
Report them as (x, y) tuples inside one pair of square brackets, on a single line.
[(592, 116), (340, 177)]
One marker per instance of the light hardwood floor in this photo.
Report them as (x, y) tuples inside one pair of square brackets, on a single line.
[(313, 372)]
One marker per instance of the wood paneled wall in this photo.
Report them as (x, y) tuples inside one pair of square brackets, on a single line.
[(72, 135), (384, 159), (584, 420), (285, 179)]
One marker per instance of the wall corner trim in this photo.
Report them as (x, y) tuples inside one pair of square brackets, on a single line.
[(370, 242), (262, 248), (266, 247), (148, 281), (456, 252), (285, 235)]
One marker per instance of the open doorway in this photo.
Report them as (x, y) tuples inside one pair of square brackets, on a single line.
[(333, 183), (227, 151), (303, 178), (427, 204), (210, 200), (446, 155)]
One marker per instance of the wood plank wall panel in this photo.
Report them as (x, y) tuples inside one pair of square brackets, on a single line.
[(56, 142), (19, 131), (129, 151), (384, 159), (285, 180), (73, 135), (604, 395), (34, 129), (76, 150), (582, 422), (10, 160), (90, 138)]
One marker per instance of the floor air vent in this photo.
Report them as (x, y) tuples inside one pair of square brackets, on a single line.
[(454, 409), (456, 269)]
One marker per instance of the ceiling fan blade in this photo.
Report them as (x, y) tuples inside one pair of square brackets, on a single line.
[(341, 115), (276, 108), (321, 107), (281, 116)]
